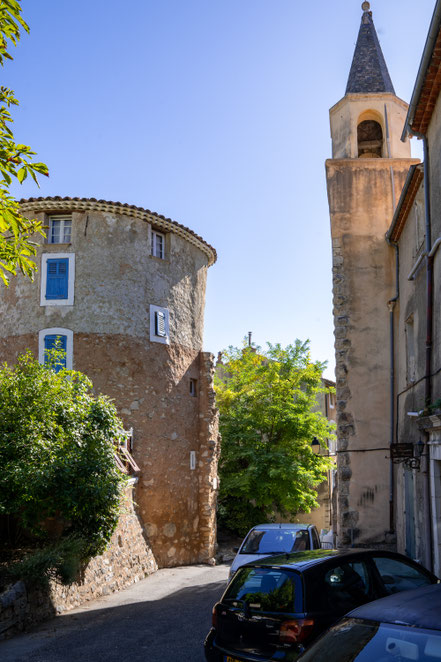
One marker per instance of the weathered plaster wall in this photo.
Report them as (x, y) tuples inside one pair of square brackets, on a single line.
[(434, 139), (361, 205), (116, 281), (410, 315)]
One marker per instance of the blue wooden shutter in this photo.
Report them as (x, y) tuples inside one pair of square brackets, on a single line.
[(49, 343), (57, 278)]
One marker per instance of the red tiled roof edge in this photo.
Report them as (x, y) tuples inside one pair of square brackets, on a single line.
[(58, 203), (430, 91)]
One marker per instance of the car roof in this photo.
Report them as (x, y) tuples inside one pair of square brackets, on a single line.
[(281, 525), (309, 558), (420, 607)]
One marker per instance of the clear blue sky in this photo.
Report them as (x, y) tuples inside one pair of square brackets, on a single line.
[(215, 114)]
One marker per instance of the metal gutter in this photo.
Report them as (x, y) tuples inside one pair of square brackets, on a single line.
[(422, 71)]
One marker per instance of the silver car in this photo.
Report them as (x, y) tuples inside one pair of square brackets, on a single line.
[(268, 539)]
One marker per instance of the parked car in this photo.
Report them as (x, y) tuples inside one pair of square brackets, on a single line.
[(268, 539), (274, 607), (401, 627)]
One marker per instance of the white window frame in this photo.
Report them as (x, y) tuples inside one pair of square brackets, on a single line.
[(153, 337), (153, 246), (70, 283), (56, 331), (62, 219)]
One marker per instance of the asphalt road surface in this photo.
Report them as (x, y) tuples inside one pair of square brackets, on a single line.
[(164, 618)]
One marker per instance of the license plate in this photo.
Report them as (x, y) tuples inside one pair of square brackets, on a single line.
[(227, 658)]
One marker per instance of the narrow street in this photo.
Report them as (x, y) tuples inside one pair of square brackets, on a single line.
[(164, 618)]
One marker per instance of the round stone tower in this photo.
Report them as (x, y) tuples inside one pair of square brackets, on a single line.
[(124, 290)]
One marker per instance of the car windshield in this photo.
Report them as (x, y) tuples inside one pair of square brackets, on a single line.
[(262, 589), (354, 640), (275, 541)]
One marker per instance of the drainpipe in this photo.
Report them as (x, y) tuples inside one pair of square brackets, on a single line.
[(391, 305)]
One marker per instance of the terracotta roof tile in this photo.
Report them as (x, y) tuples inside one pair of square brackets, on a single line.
[(78, 204)]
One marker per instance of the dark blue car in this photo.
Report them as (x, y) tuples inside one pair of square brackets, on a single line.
[(273, 608)]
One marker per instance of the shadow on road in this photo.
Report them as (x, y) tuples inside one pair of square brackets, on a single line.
[(171, 629)]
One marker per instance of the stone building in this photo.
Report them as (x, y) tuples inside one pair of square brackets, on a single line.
[(124, 288), (415, 235), (367, 171), (386, 232)]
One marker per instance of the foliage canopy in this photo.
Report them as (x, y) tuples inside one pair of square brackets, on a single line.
[(16, 161), (56, 453), (268, 418)]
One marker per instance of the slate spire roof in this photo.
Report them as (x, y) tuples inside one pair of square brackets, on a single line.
[(369, 72)]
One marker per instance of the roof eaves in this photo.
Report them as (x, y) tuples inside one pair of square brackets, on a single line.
[(428, 80), (58, 203), (411, 186)]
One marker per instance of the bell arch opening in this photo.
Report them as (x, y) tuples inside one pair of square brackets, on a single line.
[(370, 139)]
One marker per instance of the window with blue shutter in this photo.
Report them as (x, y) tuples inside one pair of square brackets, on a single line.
[(50, 342), (57, 278)]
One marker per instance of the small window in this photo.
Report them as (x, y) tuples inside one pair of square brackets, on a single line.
[(159, 324), (158, 244), (193, 387), (47, 340), (60, 230), (52, 342), (410, 350), (57, 279)]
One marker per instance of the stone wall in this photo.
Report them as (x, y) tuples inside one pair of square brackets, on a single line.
[(127, 560)]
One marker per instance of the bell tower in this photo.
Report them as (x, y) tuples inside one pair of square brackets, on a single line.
[(364, 178)]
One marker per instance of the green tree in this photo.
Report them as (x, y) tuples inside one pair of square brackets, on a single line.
[(268, 418), (56, 453), (16, 161)]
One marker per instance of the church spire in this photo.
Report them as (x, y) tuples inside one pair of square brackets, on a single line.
[(369, 72)]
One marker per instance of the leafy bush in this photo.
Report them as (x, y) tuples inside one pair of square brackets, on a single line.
[(60, 560), (56, 454)]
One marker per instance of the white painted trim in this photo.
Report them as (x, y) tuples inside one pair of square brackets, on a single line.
[(56, 330), (165, 340), (153, 246), (71, 280), (61, 219)]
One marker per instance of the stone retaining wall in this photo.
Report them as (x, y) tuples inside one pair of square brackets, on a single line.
[(127, 560)]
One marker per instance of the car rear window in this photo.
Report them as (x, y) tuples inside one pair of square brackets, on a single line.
[(365, 641), (264, 589), (274, 541)]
